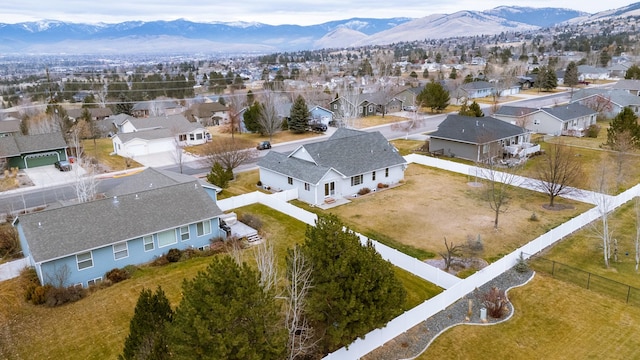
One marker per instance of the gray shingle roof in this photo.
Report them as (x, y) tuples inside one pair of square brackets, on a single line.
[(507, 110), (8, 147), (569, 112), (146, 135), (77, 228), (627, 84), (617, 96), (40, 142), (177, 123), (9, 126), (350, 152), (475, 130), (148, 179)]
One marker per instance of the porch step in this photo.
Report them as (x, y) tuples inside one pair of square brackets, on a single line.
[(253, 238)]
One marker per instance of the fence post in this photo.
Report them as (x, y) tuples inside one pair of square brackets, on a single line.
[(628, 294), (553, 268), (588, 280)]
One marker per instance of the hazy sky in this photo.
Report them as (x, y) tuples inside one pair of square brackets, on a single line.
[(265, 11)]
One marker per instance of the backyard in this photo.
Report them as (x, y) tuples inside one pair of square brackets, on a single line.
[(39, 332)]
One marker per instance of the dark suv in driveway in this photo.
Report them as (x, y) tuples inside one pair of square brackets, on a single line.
[(263, 145), (63, 165)]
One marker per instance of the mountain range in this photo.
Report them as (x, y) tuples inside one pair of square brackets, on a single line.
[(183, 36)]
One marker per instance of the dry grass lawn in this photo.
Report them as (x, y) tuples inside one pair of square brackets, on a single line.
[(552, 320), (434, 204), (101, 152)]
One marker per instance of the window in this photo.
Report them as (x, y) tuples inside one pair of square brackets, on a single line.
[(191, 137), (84, 260), (370, 108), (307, 186), (335, 106), (203, 228), (95, 281), (199, 136), (148, 243), (386, 172), (290, 180), (536, 122), (184, 233), (120, 251), (167, 238), (485, 148), (373, 176), (356, 180), (182, 137)]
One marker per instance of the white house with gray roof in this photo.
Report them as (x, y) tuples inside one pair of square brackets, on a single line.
[(337, 167), (610, 102), (152, 135), (569, 120), (147, 215)]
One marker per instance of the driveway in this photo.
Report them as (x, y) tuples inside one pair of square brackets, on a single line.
[(167, 158), (48, 175)]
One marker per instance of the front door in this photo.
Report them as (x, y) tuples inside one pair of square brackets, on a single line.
[(329, 189)]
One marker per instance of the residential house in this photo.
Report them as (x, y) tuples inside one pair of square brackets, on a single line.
[(409, 95), (569, 120), (28, 151), (630, 86), (340, 166), (478, 89), (208, 113), (96, 114), (77, 244), (157, 107), (478, 139), (618, 70), (144, 136), (9, 126), (608, 102), (362, 105), (588, 72), (318, 114)]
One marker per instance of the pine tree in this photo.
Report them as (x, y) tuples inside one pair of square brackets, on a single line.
[(434, 96), (219, 176), (299, 117), (633, 72), (571, 74), (250, 118), (625, 121), (148, 336), (226, 314), (354, 290), (124, 106)]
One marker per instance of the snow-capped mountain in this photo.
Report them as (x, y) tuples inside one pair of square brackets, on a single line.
[(183, 36)]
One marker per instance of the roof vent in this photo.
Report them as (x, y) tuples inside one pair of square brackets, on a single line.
[(39, 225), (137, 197), (115, 200), (150, 185)]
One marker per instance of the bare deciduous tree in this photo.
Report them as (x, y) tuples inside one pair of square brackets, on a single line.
[(265, 258), (85, 184), (227, 152), (624, 144), (499, 187), (558, 172), (603, 203), (637, 239), (302, 340), (270, 120), (452, 252)]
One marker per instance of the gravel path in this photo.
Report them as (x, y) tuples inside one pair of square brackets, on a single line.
[(415, 340)]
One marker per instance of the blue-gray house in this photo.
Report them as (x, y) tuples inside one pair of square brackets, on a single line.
[(142, 219)]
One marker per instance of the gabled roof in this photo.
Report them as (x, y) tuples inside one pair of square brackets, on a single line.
[(41, 142), (477, 85), (616, 96), (72, 229), (205, 110), (475, 130), (569, 112), (8, 147), (627, 84), (175, 123), (146, 135), (515, 111), (152, 178), (349, 152)]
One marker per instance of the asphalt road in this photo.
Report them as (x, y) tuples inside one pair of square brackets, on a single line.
[(412, 128)]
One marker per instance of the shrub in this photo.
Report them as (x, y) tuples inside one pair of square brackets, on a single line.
[(474, 243), (364, 191), (130, 269), (259, 183), (382, 186), (173, 255), (160, 261), (522, 266), (533, 217), (593, 131), (57, 296), (252, 221), (9, 242), (495, 301), (117, 275)]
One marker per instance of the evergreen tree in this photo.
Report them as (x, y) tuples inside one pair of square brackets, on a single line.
[(473, 110), (434, 96), (571, 74), (633, 73), (453, 74), (219, 176), (226, 314), (124, 106), (425, 74), (547, 79), (250, 118), (148, 336), (354, 289), (625, 121), (299, 117)]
